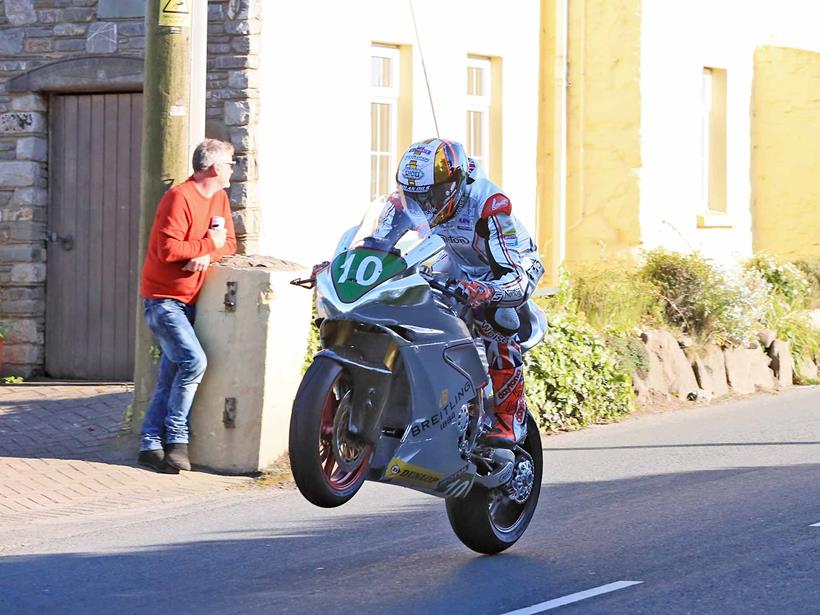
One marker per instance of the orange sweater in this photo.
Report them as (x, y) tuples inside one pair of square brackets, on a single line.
[(180, 233)]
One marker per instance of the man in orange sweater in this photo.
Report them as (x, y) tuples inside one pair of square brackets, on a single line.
[(192, 229)]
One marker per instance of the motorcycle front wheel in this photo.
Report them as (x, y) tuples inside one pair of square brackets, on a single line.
[(328, 467), (490, 520)]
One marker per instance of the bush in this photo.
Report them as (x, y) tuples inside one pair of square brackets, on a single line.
[(811, 269), (698, 299), (786, 280), (314, 342), (749, 300), (571, 378), (614, 300), (794, 326), (629, 354)]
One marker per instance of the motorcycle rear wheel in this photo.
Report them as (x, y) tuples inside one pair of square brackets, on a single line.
[(315, 443), (487, 521)]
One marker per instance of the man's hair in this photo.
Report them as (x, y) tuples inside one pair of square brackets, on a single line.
[(209, 152)]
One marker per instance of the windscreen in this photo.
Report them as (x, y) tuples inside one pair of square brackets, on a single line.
[(391, 227), (393, 224)]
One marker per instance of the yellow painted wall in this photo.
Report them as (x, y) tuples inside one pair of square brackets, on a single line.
[(786, 153), (603, 131)]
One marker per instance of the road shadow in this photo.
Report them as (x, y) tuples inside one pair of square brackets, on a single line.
[(693, 538)]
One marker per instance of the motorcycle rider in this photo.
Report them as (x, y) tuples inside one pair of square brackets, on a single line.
[(488, 251)]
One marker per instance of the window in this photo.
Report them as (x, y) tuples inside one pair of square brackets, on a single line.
[(713, 140), (479, 87), (384, 96)]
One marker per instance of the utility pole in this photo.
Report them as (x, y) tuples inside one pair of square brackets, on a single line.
[(167, 132)]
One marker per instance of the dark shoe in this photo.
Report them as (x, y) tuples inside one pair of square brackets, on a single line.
[(155, 460), (176, 456)]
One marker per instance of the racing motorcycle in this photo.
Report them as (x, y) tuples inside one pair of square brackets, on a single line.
[(400, 391)]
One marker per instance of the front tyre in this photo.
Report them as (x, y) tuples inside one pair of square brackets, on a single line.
[(328, 467), (492, 520)]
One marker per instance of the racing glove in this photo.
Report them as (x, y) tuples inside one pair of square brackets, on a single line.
[(476, 293)]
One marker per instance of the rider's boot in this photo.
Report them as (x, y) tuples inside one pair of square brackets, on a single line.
[(509, 426)]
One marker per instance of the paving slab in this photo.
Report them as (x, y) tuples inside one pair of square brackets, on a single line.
[(66, 451)]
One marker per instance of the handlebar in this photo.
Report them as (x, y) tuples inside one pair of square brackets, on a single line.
[(448, 287)]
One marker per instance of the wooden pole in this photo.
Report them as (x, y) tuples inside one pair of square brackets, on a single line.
[(165, 152)]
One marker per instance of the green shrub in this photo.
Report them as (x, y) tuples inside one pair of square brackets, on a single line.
[(571, 377), (748, 296), (313, 345), (811, 269), (614, 299), (629, 353), (786, 280), (794, 326), (699, 299)]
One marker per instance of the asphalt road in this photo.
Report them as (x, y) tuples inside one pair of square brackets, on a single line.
[(711, 509)]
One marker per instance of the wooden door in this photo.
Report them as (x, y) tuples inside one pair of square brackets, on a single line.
[(92, 277)]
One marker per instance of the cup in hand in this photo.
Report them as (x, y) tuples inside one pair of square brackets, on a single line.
[(217, 222)]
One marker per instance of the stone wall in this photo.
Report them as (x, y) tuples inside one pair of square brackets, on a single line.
[(232, 106), (34, 33)]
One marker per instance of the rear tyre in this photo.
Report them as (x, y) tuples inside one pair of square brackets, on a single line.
[(328, 467), (489, 520)]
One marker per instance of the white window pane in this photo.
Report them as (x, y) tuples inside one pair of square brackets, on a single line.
[(475, 81), (384, 129), (385, 185), (381, 72), (475, 136), (374, 176), (374, 126)]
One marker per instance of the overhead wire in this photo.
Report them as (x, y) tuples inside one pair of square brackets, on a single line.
[(424, 67)]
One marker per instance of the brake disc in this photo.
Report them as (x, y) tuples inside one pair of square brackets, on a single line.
[(520, 485), (348, 452)]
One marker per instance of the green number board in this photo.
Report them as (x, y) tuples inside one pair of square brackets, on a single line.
[(357, 271)]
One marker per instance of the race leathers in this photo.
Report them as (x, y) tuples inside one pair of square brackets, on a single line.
[(487, 243)]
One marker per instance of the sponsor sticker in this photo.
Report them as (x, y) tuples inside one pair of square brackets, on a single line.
[(456, 484), (401, 470)]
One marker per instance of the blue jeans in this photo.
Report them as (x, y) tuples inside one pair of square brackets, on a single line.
[(181, 368)]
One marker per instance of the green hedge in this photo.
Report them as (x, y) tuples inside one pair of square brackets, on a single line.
[(572, 378)]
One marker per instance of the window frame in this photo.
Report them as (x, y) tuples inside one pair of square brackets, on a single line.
[(713, 146), (388, 96), (480, 104)]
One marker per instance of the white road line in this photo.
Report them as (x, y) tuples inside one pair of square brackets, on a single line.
[(576, 597), (815, 525)]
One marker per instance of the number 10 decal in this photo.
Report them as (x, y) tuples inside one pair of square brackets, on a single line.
[(361, 270), (357, 271)]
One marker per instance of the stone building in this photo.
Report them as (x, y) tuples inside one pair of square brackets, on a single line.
[(71, 76)]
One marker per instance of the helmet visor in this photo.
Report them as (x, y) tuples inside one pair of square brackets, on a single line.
[(435, 199)]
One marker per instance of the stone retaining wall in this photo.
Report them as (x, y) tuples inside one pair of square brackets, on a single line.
[(710, 372)]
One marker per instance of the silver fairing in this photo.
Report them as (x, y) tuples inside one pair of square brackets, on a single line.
[(436, 377)]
